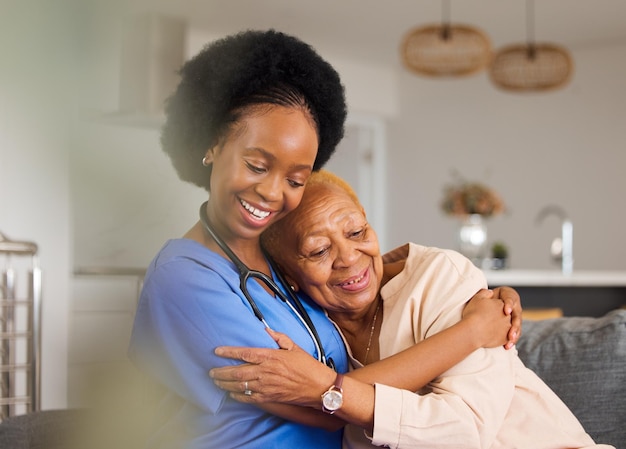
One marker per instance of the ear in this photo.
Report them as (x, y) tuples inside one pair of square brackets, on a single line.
[(208, 157)]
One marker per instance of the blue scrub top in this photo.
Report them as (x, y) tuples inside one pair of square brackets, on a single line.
[(190, 304)]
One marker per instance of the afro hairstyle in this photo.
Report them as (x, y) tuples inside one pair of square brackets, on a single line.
[(239, 71)]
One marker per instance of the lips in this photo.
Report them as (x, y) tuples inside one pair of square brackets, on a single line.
[(255, 213), (356, 283)]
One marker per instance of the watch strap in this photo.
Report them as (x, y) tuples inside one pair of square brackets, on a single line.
[(338, 382)]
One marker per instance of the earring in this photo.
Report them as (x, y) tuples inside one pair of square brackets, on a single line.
[(293, 289), (205, 161)]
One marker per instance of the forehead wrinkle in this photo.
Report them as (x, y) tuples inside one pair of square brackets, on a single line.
[(343, 211), (309, 228)]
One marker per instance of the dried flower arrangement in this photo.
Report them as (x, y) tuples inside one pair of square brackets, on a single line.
[(466, 198)]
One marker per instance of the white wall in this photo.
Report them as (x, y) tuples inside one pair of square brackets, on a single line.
[(564, 147), (370, 88), (128, 199), (34, 188)]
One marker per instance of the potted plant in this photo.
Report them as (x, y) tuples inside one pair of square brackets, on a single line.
[(499, 255)]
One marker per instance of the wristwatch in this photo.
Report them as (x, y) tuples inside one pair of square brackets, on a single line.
[(332, 399)]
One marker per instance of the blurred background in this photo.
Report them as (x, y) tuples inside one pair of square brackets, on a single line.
[(82, 173)]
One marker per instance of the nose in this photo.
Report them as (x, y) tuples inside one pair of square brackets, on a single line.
[(347, 254), (270, 188)]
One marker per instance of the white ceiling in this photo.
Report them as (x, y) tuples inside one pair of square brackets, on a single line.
[(373, 29)]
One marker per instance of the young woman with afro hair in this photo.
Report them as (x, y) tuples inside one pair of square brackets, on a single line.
[(254, 114)]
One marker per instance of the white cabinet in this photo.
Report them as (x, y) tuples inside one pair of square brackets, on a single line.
[(101, 317)]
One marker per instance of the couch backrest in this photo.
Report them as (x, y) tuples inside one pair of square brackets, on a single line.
[(583, 360)]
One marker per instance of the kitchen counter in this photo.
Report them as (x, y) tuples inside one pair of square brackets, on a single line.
[(548, 278), (582, 293)]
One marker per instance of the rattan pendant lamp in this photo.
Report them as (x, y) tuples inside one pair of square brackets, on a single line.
[(531, 67), (446, 50)]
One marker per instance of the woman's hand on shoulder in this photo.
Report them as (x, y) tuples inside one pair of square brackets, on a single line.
[(489, 323), (512, 307)]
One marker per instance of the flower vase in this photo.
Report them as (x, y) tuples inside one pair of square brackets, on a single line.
[(473, 238)]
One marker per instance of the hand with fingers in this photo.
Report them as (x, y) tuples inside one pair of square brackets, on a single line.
[(512, 307), (286, 375)]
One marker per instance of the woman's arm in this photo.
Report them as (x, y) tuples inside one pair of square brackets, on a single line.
[(483, 325), (410, 369), (304, 415), (281, 379), (292, 376)]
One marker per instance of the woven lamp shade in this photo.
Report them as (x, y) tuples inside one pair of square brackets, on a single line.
[(531, 67), (446, 50)]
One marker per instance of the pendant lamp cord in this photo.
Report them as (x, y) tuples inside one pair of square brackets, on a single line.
[(445, 19), (530, 28)]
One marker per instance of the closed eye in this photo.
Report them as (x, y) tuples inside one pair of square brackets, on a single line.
[(318, 253), (255, 168), (357, 233)]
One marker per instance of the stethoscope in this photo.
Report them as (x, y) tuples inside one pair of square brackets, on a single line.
[(246, 273)]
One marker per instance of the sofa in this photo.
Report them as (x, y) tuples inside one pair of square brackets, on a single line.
[(583, 360), (49, 429)]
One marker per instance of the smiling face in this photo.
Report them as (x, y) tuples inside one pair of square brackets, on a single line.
[(259, 170), (329, 250)]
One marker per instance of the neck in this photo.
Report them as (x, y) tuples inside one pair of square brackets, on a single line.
[(362, 330), (248, 250)]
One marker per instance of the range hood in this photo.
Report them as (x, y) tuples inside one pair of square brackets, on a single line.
[(152, 52)]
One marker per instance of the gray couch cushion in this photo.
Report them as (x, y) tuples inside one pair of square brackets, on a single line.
[(583, 360), (49, 429)]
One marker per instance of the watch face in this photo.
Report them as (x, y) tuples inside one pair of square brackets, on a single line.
[(333, 400)]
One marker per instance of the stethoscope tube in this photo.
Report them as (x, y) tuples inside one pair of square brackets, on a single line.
[(246, 273)]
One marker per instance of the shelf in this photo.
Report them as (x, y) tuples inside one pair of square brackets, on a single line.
[(554, 278)]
